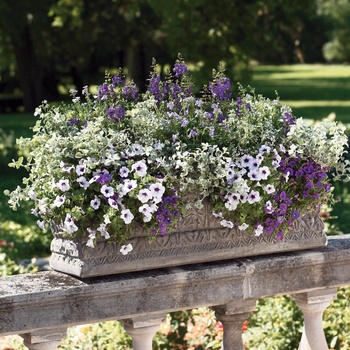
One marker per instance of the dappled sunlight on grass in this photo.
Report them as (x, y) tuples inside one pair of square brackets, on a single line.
[(313, 91)]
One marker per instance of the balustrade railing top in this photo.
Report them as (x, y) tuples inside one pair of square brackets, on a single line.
[(47, 302)]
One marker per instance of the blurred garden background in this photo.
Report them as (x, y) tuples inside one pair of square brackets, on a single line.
[(299, 48)]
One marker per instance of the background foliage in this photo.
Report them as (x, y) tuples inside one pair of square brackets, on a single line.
[(57, 44)]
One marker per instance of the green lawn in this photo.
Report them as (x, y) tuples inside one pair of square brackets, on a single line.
[(313, 91)]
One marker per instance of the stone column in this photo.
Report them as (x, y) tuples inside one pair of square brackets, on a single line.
[(232, 317), (46, 339), (142, 330), (313, 304)]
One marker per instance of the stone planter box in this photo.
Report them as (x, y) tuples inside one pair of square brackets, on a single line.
[(198, 238)]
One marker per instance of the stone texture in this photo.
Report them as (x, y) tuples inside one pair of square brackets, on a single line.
[(51, 299), (198, 238)]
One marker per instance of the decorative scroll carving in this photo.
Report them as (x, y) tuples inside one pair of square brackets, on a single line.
[(213, 242)]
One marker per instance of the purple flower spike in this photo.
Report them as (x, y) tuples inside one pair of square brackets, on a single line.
[(221, 89), (180, 69)]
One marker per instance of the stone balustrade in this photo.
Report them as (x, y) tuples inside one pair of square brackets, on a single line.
[(41, 306)]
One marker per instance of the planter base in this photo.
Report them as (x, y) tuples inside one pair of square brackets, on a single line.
[(189, 244)]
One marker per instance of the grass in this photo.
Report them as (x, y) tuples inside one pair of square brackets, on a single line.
[(19, 123), (313, 91)]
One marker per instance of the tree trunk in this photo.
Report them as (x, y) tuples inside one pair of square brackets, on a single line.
[(29, 72)]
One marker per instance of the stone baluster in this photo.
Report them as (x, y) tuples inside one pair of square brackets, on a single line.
[(232, 317), (313, 305), (44, 339), (142, 330)]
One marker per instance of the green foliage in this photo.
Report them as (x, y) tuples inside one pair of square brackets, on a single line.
[(107, 336), (275, 325), (338, 12)]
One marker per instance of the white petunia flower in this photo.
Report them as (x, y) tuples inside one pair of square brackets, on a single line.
[(41, 224), (128, 186), (144, 195), (264, 149), (246, 161), (268, 207), (147, 212), (137, 149), (83, 182), (92, 237), (157, 190), (127, 216), (107, 191), (226, 223), (243, 227), (124, 171), (80, 169), (103, 230), (254, 175), (58, 201), (63, 185), (269, 189), (264, 172), (253, 196), (140, 168), (69, 225), (259, 230), (126, 249), (113, 203), (233, 200), (95, 203)]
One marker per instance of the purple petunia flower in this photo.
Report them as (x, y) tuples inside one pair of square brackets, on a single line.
[(295, 214)]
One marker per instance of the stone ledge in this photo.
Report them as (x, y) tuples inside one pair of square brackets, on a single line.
[(50, 299)]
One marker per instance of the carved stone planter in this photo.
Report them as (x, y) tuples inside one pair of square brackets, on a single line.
[(198, 238)]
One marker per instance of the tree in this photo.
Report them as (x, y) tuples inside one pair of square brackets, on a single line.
[(70, 42), (337, 49), (25, 30)]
